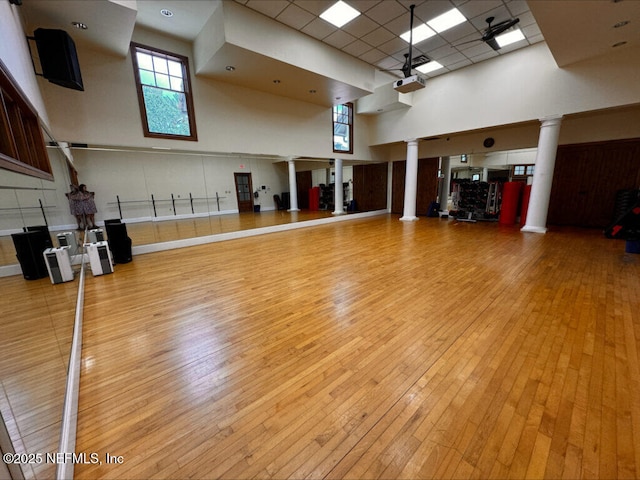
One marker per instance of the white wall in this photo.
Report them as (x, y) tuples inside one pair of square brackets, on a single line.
[(228, 118), (14, 53)]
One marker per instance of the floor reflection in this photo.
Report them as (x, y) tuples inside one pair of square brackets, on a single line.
[(146, 233)]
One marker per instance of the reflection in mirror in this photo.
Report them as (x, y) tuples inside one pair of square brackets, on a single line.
[(36, 321)]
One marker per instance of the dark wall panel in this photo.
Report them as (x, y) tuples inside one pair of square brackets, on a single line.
[(586, 179), (370, 186)]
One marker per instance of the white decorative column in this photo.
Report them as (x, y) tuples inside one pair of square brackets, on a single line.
[(293, 187), (543, 175), (338, 190), (411, 182), (445, 182)]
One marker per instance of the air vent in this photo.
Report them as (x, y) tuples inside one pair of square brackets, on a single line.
[(420, 60)]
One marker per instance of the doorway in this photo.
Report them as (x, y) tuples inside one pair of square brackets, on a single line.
[(244, 189)]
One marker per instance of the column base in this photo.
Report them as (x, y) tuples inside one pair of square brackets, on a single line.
[(527, 228), (338, 212), (408, 219), (293, 210)]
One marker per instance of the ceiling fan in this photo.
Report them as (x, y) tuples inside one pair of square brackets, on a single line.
[(492, 31)]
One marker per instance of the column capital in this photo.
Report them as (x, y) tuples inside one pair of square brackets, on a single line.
[(412, 141), (551, 120)]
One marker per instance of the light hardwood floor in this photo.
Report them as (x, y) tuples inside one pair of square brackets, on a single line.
[(367, 349), (36, 326)]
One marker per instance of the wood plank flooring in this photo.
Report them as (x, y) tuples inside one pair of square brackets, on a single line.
[(367, 349), (36, 327)]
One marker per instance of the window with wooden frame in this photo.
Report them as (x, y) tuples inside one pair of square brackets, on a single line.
[(22, 145), (522, 171), (164, 93), (343, 128)]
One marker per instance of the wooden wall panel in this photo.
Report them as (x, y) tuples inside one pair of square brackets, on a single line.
[(427, 185), (586, 179), (370, 186), (304, 183)]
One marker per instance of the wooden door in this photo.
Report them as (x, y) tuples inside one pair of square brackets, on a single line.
[(304, 182), (244, 192)]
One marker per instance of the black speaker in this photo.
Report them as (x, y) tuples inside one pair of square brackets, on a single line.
[(29, 249), (119, 242), (45, 230), (58, 58)]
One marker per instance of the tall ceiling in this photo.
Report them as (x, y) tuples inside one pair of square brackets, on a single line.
[(573, 29)]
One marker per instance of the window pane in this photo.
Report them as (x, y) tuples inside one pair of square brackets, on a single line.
[(166, 111), (144, 61), (166, 104), (147, 78), (175, 69), (160, 65), (162, 80), (176, 84), (530, 169)]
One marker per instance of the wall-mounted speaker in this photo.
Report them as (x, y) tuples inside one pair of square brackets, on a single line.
[(58, 58)]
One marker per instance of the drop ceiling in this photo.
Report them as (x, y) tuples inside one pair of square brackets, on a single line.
[(573, 29)]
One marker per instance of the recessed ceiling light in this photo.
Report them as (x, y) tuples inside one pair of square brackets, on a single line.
[(229, 68), (166, 13), (276, 81), (339, 14), (509, 38), (420, 33), (447, 20), (312, 91), (621, 24), (429, 67), (79, 25)]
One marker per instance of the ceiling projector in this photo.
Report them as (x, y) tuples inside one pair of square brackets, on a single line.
[(409, 84)]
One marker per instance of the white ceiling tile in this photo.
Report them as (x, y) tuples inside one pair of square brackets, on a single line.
[(476, 49), (363, 6), (430, 43), (316, 7), (378, 37), (442, 52), (400, 25), (430, 10), (339, 39), (459, 65), (517, 7), (373, 56), (295, 17), (387, 11), (451, 59), (484, 56), (360, 26), (394, 45), (459, 31), (357, 48), (319, 29), (272, 8), (475, 8)]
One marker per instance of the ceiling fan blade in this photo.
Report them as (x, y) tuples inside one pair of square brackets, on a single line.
[(465, 43), (493, 43), (498, 28)]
